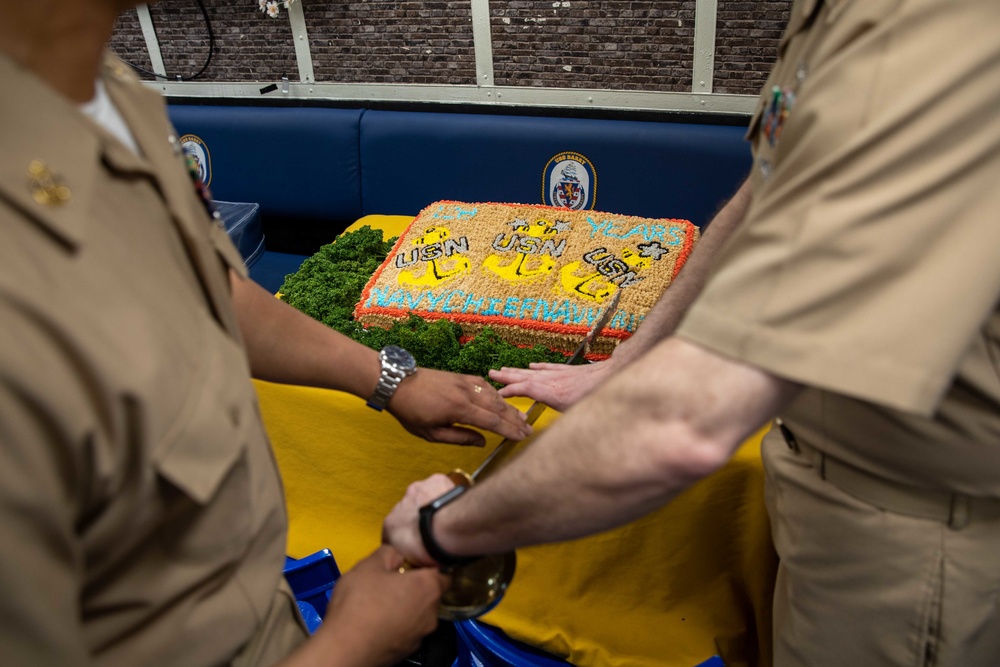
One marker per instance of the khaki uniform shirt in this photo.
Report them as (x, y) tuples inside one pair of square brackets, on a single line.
[(869, 266), (141, 512)]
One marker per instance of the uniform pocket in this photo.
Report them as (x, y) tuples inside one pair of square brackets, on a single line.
[(202, 470)]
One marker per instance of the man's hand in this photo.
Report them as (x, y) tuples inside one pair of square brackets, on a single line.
[(401, 527), (556, 385), (378, 615), (430, 403)]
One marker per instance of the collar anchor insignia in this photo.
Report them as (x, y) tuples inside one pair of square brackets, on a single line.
[(47, 188)]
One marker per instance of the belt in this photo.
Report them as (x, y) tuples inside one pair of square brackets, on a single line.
[(953, 509)]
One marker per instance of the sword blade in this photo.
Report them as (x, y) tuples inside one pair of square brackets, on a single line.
[(537, 408)]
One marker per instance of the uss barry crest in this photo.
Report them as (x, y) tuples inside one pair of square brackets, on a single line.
[(570, 181)]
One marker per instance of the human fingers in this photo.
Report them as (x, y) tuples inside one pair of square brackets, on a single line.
[(507, 375), (432, 575), (474, 402), (401, 527), (488, 410), (381, 610), (434, 402), (393, 560), (456, 435), (421, 492), (557, 385), (554, 392), (548, 366)]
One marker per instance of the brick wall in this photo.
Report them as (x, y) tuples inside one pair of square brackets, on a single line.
[(746, 42), (643, 45), (249, 46), (388, 41)]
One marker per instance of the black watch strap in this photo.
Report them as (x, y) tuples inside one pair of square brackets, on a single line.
[(434, 550)]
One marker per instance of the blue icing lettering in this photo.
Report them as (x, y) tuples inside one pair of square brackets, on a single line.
[(595, 227), (434, 301), (396, 298), (446, 308), (492, 308), (411, 301), (559, 313), (441, 216), (648, 232), (526, 304), (580, 315), (510, 306), (378, 295), (473, 302)]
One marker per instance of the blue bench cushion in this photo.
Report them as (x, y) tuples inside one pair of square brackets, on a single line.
[(642, 168), (296, 163)]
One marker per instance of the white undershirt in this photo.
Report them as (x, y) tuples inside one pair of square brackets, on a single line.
[(104, 112)]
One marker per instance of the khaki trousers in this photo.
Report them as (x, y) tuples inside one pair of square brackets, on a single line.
[(861, 585)]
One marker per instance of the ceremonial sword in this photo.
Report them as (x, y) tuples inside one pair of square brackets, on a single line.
[(537, 408)]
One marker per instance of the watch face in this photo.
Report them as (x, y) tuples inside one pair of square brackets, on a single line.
[(399, 357)]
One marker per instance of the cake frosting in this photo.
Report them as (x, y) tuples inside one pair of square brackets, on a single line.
[(537, 275)]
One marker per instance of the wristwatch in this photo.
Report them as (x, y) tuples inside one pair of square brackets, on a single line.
[(434, 550), (397, 365)]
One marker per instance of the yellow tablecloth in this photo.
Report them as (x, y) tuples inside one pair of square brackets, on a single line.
[(689, 581)]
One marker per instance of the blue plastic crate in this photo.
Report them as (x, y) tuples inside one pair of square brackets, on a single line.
[(312, 580), (243, 224), (482, 645)]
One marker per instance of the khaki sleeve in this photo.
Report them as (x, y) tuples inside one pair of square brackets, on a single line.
[(869, 259), (41, 562)]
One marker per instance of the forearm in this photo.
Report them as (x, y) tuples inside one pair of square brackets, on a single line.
[(287, 346), (622, 452), (664, 317)]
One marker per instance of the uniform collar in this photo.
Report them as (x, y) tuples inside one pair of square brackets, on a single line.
[(138, 104), (49, 151)]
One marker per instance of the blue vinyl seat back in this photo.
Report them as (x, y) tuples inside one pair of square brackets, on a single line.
[(294, 162), (649, 169)]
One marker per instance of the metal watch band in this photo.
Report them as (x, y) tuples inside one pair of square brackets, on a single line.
[(434, 550), (386, 387), (397, 365)]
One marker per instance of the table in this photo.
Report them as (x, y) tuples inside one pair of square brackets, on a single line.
[(689, 581)]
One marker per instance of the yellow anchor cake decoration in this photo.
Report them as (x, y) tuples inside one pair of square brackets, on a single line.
[(536, 275), (438, 256), (530, 252)]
